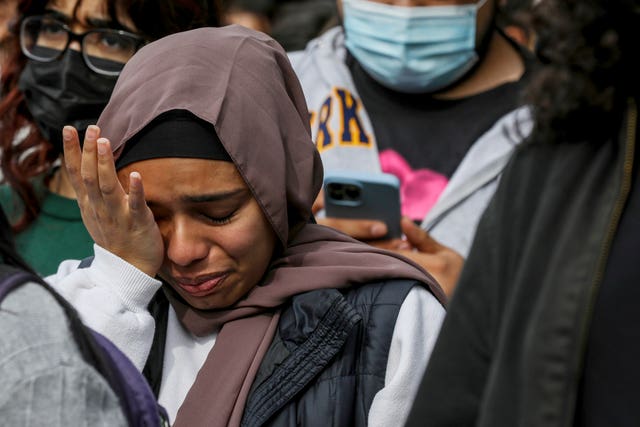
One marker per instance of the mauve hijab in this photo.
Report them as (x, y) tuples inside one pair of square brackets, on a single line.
[(242, 83)]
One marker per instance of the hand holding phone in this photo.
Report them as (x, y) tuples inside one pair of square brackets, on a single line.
[(359, 195)]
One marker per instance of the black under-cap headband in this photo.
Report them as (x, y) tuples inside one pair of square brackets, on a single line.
[(176, 133)]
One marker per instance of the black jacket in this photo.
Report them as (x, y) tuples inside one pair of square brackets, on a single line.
[(511, 348)]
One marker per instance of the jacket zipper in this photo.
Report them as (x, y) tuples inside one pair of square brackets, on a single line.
[(632, 118)]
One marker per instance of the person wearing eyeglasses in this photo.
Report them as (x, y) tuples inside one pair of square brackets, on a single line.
[(69, 56)]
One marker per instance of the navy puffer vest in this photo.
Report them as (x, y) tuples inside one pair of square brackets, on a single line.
[(329, 358), (325, 364)]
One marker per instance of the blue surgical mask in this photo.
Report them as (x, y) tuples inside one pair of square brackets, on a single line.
[(412, 49)]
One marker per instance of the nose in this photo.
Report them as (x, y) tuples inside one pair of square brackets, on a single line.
[(184, 245), (77, 29), (75, 45)]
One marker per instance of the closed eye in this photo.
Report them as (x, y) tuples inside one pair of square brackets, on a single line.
[(218, 220)]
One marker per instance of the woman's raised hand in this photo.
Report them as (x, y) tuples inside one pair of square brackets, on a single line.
[(119, 222)]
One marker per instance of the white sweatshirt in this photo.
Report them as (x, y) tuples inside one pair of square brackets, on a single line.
[(112, 296)]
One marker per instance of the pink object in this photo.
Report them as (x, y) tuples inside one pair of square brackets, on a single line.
[(419, 189)]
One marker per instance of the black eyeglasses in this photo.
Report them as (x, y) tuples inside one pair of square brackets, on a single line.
[(105, 51)]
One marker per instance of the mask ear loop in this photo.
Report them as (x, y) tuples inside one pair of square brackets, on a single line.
[(482, 46)]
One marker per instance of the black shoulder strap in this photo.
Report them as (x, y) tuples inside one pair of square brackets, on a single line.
[(12, 278)]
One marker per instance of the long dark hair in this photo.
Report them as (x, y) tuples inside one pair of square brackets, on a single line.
[(8, 253), (24, 153), (589, 49)]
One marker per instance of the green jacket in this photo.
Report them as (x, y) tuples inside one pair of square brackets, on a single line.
[(57, 233)]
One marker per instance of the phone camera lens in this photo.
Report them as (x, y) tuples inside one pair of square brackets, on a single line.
[(352, 192), (336, 191)]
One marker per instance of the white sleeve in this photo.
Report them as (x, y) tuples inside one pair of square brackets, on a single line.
[(414, 336), (111, 297)]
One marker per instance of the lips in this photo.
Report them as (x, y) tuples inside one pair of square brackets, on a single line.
[(203, 287)]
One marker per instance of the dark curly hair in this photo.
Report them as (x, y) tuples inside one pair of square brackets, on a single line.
[(24, 153), (588, 48)]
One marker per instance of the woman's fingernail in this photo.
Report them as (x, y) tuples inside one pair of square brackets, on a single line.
[(66, 133), (92, 132), (378, 230), (102, 146)]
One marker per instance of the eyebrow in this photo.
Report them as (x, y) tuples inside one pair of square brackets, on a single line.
[(207, 198), (92, 22), (104, 23), (58, 15), (214, 197)]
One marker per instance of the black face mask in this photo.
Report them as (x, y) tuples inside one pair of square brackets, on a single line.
[(64, 92)]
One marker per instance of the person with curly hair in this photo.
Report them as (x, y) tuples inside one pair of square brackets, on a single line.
[(63, 71), (543, 329)]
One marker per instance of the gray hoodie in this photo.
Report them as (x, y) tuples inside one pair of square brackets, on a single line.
[(45, 381), (452, 221)]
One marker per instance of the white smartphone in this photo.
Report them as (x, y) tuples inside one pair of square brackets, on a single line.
[(360, 195)]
